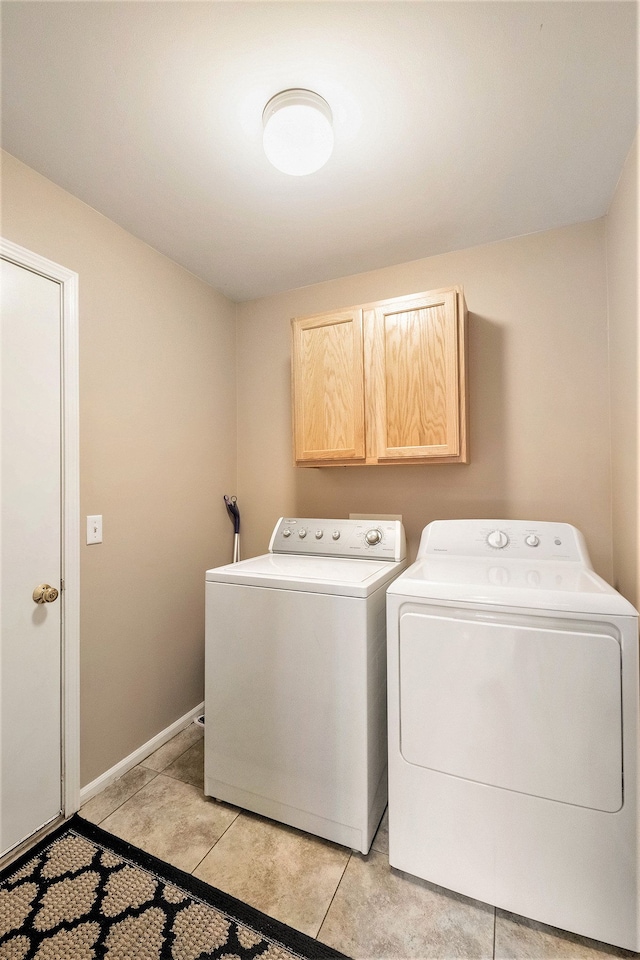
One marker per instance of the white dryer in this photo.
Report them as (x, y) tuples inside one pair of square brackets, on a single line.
[(295, 677), (513, 726)]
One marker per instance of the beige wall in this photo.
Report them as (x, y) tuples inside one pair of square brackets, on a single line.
[(538, 387), (157, 452), (624, 360)]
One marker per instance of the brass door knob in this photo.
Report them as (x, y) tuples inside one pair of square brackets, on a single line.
[(45, 594)]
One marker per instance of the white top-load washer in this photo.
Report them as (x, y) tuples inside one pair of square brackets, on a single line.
[(295, 677), (513, 726)]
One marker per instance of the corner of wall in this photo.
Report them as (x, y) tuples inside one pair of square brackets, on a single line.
[(622, 263)]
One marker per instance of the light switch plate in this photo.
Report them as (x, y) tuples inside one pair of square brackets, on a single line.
[(94, 529)]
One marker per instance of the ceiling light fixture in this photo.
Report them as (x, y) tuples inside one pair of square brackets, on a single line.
[(298, 132)]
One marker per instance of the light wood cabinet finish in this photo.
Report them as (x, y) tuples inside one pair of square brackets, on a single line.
[(382, 383), (328, 387)]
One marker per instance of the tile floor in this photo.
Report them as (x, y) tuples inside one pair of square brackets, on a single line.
[(355, 903)]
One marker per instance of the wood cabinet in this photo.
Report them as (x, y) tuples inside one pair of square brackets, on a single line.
[(382, 383)]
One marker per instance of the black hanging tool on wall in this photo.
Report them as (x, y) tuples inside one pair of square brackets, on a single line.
[(234, 513)]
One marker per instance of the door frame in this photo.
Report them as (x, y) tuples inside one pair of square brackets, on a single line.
[(70, 508)]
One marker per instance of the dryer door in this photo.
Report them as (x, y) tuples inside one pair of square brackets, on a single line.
[(529, 704)]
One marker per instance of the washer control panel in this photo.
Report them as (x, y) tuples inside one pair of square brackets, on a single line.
[(515, 539), (367, 539)]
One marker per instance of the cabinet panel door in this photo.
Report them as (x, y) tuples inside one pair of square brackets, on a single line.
[(414, 394), (328, 389)]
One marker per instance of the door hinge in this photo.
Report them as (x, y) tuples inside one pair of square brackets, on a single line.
[(62, 585)]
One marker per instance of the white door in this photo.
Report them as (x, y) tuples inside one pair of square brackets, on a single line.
[(30, 538), (532, 706)]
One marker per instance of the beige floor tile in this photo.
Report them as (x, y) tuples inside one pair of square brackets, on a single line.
[(381, 840), (172, 820), (379, 913), (287, 874), (189, 767), (520, 939), (171, 750), (103, 804)]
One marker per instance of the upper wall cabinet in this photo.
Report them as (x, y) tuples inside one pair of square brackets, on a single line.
[(382, 383)]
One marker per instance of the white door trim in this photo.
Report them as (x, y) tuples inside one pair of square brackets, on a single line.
[(70, 596)]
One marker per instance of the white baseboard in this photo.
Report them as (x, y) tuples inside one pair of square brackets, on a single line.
[(114, 773)]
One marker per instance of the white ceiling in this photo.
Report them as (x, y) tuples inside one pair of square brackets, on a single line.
[(456, 123)]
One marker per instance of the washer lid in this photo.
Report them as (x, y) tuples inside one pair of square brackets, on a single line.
[(334, 575), (545, 585)]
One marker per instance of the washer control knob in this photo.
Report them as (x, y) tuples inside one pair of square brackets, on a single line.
[(286, 533), (336, 535), (497, 539), (532, 540), (302, 533), (372, 537), (318, 534)]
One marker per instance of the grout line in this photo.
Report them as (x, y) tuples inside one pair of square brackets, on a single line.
[(333, 897), (173, 776), (173, 759), (215, 842), (495, 921), (150, 769), (135, 792)]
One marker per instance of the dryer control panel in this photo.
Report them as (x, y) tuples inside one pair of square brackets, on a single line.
[(363, 539), (516, 539)]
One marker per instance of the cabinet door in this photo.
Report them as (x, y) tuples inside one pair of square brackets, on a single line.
[(415, 378), (328, 389)]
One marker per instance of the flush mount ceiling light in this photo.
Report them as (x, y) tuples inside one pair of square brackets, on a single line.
[(298, 131)]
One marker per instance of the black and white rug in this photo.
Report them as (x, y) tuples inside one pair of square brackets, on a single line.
[(82, 893)]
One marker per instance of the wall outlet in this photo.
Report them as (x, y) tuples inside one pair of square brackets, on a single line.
[(94, 529), (375, 516)]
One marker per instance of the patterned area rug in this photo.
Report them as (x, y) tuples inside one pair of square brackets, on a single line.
[(82, 893)]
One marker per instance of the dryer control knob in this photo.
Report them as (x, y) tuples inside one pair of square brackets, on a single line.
[(336, 535), (372, 537), (532, 540), (497, 539), (286, 533), (318, 534), (302, 533)]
